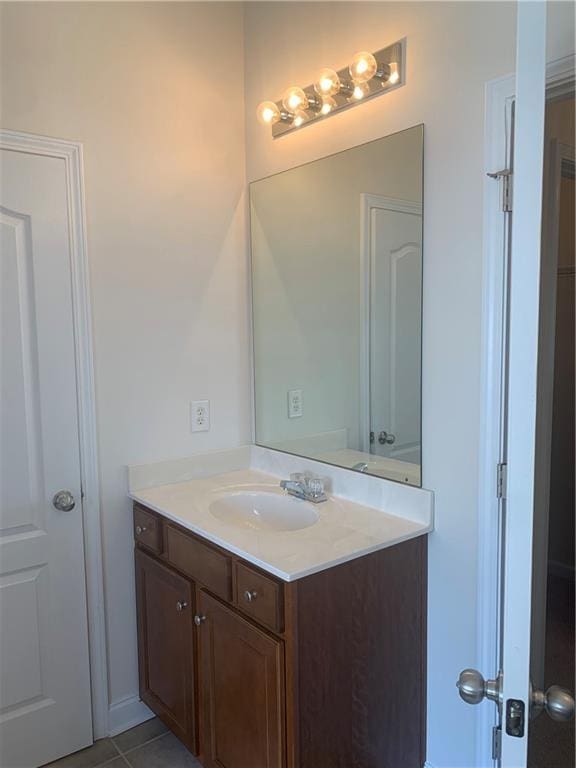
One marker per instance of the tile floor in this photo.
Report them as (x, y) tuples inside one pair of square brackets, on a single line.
[(148, 745)]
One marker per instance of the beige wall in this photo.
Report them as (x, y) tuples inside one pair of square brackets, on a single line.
[(155, 93), (560, 121), (452, 50)]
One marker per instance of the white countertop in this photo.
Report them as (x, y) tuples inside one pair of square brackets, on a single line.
[(345, 529)]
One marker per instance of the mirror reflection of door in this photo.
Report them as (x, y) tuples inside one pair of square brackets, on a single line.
[(393, 239), (336, 247), (551, 744)]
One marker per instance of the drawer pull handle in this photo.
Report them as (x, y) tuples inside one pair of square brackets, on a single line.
[(199, 619), (250, 595), (181, 605), (140, 529)]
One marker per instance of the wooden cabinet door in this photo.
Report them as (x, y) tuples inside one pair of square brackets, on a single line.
[(165, 603), (242, 690)]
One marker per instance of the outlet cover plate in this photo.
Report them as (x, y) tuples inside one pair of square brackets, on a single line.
[(200, 415), (295, 407)]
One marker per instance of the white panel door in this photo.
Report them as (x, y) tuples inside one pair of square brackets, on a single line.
[(395, 320), (45, 707)]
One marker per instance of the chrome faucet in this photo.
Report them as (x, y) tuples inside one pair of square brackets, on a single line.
[(361, 466), (305, 486)]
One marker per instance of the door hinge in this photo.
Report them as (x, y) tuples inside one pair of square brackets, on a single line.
[(496, 742), (501, 480), (506, 176)]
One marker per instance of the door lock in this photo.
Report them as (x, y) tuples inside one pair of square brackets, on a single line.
[(558, 702), (515, 718)]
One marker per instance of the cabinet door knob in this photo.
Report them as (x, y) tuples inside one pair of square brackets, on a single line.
[(140, 529), (250, 595), (199, 619), (181, 605)]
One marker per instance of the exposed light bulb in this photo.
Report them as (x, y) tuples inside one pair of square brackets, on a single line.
[(295, 99), (360, 90), (268, 113), (328, 83), (363, 67), (394, 73), (328, 104), (300, 117)]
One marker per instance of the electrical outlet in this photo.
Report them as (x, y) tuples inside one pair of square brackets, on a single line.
[(295, 409), (200, 415)]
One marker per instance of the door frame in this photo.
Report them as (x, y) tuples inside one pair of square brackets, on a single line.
[(367, 202), (71, 153), (499, 96)]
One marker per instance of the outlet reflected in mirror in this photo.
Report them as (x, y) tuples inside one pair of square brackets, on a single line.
[(337, 297)]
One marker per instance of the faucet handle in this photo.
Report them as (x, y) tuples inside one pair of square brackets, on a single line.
[(316, 486)]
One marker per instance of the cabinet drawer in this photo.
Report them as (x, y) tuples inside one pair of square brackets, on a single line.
[(259, 597), (200, 562), (147, 529)]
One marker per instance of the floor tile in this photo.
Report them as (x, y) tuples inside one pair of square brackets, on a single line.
[(100, 752), (165, 752), (135, 737)]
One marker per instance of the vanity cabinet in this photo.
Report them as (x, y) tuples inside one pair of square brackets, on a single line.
[(166, 646), (327, 671)]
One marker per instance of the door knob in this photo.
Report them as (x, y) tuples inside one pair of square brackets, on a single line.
[(181, 605), (473, 688), (386, 438), (558, 703), (250, 595), (199, 619), (64, 501)]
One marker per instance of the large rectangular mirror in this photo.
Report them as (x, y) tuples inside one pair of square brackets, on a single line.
[(337, 308)]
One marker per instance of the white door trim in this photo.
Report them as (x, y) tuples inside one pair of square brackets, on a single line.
[(499, 96), (71, 153), (367, 202)]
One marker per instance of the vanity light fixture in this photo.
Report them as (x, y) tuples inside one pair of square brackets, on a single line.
[(368, 75)]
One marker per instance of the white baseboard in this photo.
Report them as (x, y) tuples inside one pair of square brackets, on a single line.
[(126, 714)]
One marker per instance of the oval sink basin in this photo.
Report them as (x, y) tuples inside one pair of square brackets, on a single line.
[(263, 511)]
